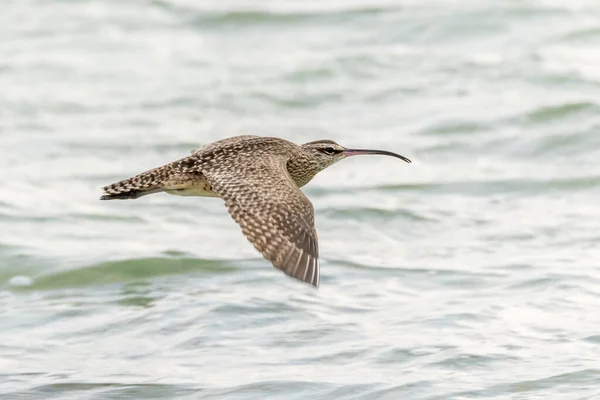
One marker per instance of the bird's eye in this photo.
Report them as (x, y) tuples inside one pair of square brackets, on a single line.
[(329, 150)]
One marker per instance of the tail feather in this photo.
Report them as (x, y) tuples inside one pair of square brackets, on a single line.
[(130, 195), (140, 185)]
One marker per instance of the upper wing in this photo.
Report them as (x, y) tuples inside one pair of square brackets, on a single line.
[(273, 213), (220, 143)]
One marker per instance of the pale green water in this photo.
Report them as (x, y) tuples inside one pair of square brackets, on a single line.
[(473, 273)]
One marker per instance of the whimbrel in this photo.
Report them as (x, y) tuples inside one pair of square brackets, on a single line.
[(260, 179)]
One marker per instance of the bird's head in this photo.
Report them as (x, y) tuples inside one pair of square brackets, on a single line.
[(328, 152)]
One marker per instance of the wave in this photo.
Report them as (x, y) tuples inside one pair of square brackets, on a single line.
[(274, 17), (122, 271)]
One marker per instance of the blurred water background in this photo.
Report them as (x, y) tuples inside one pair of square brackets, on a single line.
[(473, 273)]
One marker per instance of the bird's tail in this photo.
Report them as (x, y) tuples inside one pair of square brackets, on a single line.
[(140, 185)]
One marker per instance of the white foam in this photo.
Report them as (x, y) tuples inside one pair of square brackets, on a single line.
[(20, 281)]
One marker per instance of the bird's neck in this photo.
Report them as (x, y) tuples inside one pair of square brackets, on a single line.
[(302, 168)]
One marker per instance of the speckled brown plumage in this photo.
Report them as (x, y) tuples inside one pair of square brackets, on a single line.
[(259, 179)]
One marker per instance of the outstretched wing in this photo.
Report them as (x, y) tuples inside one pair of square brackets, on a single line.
[(273, 213)]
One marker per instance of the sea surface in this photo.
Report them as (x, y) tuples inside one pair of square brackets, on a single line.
[(472, 273)]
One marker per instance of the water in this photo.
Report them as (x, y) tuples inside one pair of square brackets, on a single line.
[(472, 273)]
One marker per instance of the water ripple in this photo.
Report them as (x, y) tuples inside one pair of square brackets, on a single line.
[(128, 270)]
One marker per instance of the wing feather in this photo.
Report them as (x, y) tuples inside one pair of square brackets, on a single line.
[(275, 216)]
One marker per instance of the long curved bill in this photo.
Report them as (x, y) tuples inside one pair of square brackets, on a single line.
[(359, 152)]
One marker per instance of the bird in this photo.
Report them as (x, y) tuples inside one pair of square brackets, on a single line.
[(259, 178)]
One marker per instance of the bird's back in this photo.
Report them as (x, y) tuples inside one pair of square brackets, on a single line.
[(185, 177)]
